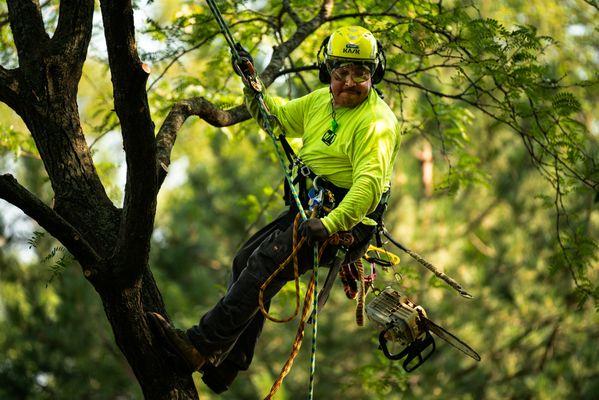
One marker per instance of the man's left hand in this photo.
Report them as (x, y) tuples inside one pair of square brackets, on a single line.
[(314, 230)]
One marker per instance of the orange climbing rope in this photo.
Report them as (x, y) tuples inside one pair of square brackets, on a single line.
[(293, 256), (340, 238)]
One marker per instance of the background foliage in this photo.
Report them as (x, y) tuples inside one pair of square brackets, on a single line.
[(504, 91)]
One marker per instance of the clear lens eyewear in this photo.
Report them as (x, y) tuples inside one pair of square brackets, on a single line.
[(358, 75)]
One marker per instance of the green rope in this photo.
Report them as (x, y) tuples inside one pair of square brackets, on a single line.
[(267, 117), (267, 126), (314, 326)]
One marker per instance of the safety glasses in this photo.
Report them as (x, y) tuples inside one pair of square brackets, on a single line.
[(358, 73)]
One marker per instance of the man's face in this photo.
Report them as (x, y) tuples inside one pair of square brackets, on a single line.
[(350, 85)]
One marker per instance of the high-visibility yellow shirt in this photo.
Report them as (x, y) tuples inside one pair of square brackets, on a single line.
[(359, 158)]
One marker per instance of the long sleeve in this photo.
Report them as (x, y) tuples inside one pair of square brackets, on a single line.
[(371, 156), (360, 158), (290, 114)]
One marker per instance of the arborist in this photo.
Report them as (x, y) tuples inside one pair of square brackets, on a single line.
[(350, 140)]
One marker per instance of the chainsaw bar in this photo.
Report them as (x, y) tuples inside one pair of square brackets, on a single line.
[(449, 338)]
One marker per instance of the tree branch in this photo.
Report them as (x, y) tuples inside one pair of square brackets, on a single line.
[(292, 70), (303, 31), (512, 123), (176, 117), (292, 14), (9, 87), (204, 109), (28, 31), (129, 77), (14, 193), (592, 3), (73, 31)]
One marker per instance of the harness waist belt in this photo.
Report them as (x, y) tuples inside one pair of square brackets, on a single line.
[(338, 192)]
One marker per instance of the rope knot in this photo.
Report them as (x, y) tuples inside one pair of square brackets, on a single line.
[(341, 239)]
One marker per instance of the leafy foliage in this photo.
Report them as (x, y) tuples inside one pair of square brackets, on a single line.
[(502, 103)]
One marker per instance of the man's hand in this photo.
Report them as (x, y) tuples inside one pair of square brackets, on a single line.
[(314, 230), (240, 65)]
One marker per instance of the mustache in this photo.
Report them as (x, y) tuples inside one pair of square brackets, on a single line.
[(350, 90)]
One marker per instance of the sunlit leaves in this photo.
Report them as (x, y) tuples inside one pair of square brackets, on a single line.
[(16, 143), (494, 97), (565, 103)]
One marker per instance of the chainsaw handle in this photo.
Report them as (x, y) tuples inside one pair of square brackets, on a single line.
[(414, 351), (385, 349)]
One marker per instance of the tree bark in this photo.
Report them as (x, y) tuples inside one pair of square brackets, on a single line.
[(111, 244)]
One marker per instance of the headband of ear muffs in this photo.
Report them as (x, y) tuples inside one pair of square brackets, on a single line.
[(325, 76)]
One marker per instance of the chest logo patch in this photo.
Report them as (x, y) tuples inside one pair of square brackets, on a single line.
[(329, 137)]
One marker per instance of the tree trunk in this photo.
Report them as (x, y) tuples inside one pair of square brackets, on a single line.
[(112, 245), (154, 370), (81, 201)]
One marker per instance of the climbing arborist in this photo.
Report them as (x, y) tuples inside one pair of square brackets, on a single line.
[(350, 141)]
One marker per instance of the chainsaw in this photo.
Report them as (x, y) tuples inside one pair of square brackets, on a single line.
[(402, 321)]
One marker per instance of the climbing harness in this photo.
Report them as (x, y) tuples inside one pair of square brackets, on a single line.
[(402, 321)]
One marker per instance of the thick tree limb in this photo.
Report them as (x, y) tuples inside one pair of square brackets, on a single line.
[(129, 78), (28, 31), (14, 193), (45, 87), (73, 31), (179, 113)]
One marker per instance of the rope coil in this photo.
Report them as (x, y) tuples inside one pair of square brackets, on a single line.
[(297, 245)]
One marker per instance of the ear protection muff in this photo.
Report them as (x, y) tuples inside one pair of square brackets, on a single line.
[(323, 71), (381, 65), (325, 76)]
